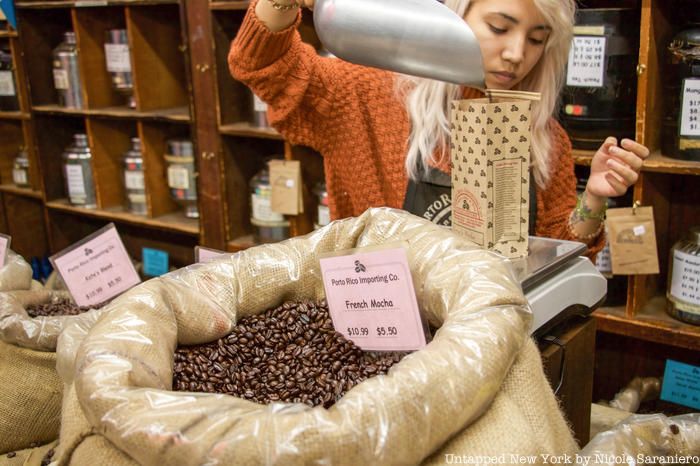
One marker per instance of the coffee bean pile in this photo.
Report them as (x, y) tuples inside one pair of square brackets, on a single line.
[(63, 307), (288, 354), (48, 457)]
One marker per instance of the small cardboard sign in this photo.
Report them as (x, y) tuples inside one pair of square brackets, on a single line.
[(681, 384), (155, 262), (97, 268), (285, 179), (371, 299), (490, 150), (5, 241), (202, 254)]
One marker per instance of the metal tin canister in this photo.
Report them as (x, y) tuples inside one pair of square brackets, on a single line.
[(683, 291), (20, 169), (66, 72), (323, 215), (182, 178), (8, 90), (77, 170), (268, 226), (134, 180)]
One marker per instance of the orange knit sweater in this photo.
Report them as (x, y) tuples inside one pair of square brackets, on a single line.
[(352, 117)]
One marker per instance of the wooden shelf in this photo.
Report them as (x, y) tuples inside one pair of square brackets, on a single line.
[(175, 222), (248, 130), (89, 3), (652, 324), (662, 164), (8, 33), (14, 115), (583, 157), (230, 5), (177, 114), (25, 192)]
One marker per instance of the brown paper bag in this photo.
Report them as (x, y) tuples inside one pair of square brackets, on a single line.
[(632, 240), (490, 152)]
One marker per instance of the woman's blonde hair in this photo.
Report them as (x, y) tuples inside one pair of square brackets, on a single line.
[(427, 101)]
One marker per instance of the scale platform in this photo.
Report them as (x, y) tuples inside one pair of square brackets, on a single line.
[(558, 283)]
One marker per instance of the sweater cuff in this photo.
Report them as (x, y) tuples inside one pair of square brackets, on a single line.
[(262, 46)]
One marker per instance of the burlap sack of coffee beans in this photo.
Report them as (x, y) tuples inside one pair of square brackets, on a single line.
[(16, 274), (124, 366), (31, 391)]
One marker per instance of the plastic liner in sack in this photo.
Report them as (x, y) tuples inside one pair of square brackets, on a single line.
[(16, 274), (30, 399), (123, 368), (647, 439)]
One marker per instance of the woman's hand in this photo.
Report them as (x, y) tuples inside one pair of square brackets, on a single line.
[(615, 169)]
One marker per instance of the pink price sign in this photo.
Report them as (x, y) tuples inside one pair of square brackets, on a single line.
[(202, 254), (372, 300), (97, 268)]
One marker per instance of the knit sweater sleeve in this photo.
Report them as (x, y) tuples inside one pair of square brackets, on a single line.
[(301, 89), (555, 203)]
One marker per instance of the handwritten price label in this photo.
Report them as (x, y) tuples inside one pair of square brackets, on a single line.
[(690, 112), (372, 300), (681, 384), (96, 269), (586, 62)]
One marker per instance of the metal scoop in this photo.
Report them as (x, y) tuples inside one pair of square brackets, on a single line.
[(416, 37)]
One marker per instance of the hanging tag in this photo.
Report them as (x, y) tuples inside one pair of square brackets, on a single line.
[(285, 180), (202, 254), (4, 247), (632, 240), (97, 268)]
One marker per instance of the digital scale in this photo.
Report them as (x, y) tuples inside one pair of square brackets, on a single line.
[(558, 282)]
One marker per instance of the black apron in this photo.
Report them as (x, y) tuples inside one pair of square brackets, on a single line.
[(431, 198)]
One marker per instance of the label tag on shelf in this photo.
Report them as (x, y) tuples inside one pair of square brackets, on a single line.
[(632, 241), (690, 112), (681, 384), (97, 268), (285, 180), (118, 58), (372, 300), (178, 177), (202, 254), (586, 62), (7, 84), (685, 284), (5, 241), (155, 262)]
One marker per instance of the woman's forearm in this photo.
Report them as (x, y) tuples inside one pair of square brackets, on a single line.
[(276, 19)]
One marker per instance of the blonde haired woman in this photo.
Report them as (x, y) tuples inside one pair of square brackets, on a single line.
[(384, 137)]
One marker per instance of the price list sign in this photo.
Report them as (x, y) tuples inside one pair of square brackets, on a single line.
[(690, 113), (372, 300), (97, 268), (686, 277), (586, 62)]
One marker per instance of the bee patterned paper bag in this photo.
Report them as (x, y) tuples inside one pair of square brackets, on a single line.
[(490, 150)]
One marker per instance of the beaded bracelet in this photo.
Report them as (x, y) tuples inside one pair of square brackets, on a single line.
[(283, 7), (588, 237)]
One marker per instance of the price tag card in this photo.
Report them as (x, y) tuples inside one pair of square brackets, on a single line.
[(202, 254), (690, 112), (97, 268), (586, 62), (155, 262), (4, 247), (372, 300), (681, 384)]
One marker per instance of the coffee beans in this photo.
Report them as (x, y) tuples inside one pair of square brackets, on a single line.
[(288, 354), (48, 457), (63, 307)]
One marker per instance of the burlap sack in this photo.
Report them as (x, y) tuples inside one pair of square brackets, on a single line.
[(123, 368), (28, 457), (30, 398), (16, 274)]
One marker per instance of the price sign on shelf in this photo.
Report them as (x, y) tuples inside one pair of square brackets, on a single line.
[(372, 300), (690, 113), (586, 62), (202, 254), (96, 269)]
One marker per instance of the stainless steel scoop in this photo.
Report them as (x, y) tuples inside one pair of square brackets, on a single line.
[(416, 37)]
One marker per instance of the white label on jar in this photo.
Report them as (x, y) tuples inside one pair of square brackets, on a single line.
[(685, 285), (262, 209), (60, 78), (134, 180), (324, 215), (602, 261), (258, 104), (19, 176), (690, 113), (586, 62), (76, 183), (7, 83), (178, 178), (118, 59)]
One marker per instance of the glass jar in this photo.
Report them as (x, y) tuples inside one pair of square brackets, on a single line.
[(20, 169), (683, 292), (8, 91), (66, 73), (134, 181), (259, 113), (323, 215), (118, 59), (268, 226), (681, 126), (182, 175), (77, 170)]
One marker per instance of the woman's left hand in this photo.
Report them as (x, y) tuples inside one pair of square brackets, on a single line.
[(614, 169)]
